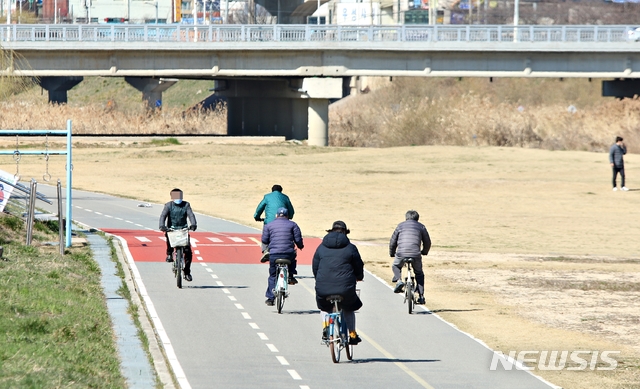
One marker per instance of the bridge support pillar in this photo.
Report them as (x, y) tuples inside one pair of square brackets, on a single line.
[(58, 87), (318, 122), (151, 89)]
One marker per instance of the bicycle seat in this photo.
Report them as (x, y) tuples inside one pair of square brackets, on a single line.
[(283, 261), (407, 260), (335, 297)]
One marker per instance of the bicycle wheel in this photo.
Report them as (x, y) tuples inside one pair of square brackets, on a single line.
[(335, 342), (280, 299), (348, 348), (179, 267), (409, 296)]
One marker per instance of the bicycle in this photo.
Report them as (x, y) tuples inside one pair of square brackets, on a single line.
[(409, 286), (337, 331), (178, 239), (281, 290)]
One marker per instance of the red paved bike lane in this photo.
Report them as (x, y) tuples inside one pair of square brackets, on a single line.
[(213, 247)]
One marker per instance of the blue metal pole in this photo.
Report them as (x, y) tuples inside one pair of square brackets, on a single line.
[(69, 170)]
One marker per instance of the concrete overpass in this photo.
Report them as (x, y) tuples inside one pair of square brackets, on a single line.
[(269, 73)]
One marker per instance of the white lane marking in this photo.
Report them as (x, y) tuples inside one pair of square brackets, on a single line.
[(194, 243), (236, 239), (196, 252), (204, 264), (209, 270), (153, 314), (109, 216), (239, 306), (272, 348), (219, 283), (254, 326), (263, 336), (150, 229), (282, 360), (162, 238), (78, 207), (304, 387), (214, 276), (143, 239), (294, 375), (246, 316), (97, 213), (119, 218), (199, 258), (193, 240), (215, 240), (256, 240), (129, 221), (232, 298), (225, 291), (88, 210), (138, 225)]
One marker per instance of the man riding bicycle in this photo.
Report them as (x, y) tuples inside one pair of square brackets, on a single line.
[(281, 237), (405, 243), (337, 266), (174, 215), (270, 204)]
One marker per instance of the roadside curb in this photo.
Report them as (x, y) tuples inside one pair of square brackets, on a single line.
[(157, 355)]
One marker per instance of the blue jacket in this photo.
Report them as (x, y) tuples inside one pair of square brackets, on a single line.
[(282, 235), (270, 204), (615, 155)]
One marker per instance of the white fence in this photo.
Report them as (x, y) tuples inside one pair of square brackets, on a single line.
[(309, 33)]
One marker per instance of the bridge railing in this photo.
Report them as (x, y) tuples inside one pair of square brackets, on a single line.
[(310, 33)]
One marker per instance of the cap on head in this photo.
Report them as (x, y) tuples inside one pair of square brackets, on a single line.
[(412, 215), (176, 194), (276, 187), (339, 226), (619, 139), (282, 211)]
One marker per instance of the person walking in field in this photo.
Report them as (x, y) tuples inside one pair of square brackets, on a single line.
[(270, 204), (405, 242), (616, 160)]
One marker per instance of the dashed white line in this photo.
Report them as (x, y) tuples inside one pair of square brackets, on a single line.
[(88, 210), (263, 336), (143, 239), (304, 387), (219, 283), (196, 252), (246, 315), (204, 264), (119, 218), (138, 225), (282, 360), (225, 291), (209, 270), (294, 375), (215, 240), (109, 216), (254, 326), (199, 258), (97, 213), (236, 239), (239, 306), (272, 348), (129, 221), (78, 207), (232, 298), (214, 276)]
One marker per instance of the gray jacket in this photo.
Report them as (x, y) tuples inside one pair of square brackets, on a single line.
[(615, 155), (176, 215), (407, 239)]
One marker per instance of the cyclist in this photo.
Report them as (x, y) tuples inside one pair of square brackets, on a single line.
[(269, 205), (174, 215), (405, 243), (281, 236), (337, 266)]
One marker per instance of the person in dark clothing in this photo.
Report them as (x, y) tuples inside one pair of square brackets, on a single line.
[(174, 215), (616, 160), (281, 236), (337, 266), (270, 204), (405, 243)]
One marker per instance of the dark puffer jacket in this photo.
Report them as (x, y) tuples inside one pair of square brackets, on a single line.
[(337, 266), (281, 235), (406, 239)]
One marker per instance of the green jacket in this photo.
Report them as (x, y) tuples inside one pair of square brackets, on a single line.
[(270, 204)]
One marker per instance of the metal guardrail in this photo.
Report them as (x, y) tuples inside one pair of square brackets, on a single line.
[(310, 33)]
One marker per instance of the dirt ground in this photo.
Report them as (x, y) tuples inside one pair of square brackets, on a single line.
[(531, 248)]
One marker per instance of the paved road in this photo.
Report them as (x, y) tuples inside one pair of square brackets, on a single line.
[(224, 336)]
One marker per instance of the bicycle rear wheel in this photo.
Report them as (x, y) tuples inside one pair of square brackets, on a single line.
[(280, 299), (179, 260), (335, 343), (349, 349), (409, 296)]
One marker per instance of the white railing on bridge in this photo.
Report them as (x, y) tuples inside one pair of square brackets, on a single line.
[(309, 33)]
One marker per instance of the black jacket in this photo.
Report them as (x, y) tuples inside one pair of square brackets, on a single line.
[(337, 266)]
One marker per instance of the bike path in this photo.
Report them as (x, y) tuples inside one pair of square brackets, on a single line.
[(223, 336)]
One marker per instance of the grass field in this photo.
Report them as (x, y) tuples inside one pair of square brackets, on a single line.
[(55, 331)]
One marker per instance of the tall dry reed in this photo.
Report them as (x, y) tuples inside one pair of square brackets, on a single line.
[(410, 113)]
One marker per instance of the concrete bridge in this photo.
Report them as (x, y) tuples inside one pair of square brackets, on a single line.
[(279, 79)]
